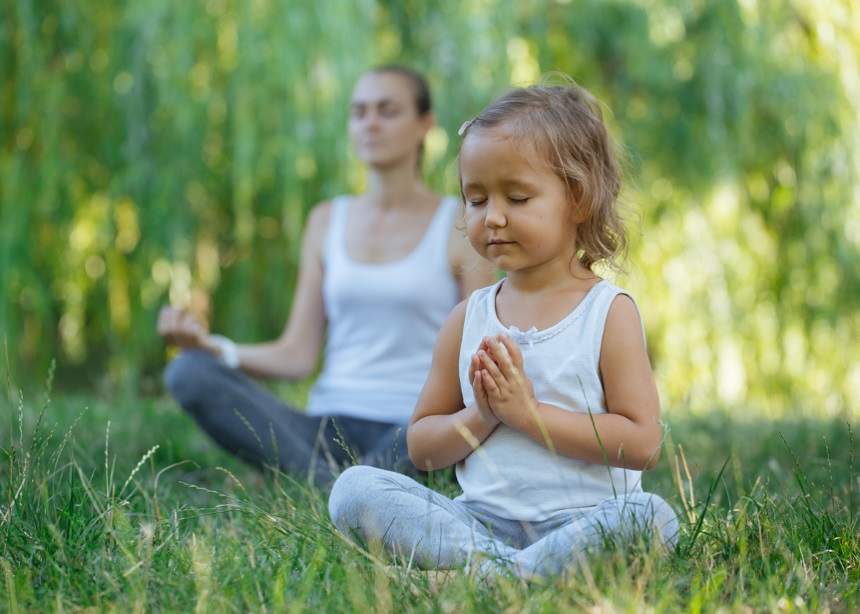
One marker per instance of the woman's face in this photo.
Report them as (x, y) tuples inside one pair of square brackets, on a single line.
[(384, 124)]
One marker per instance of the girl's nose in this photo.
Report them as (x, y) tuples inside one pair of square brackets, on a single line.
[(495, 215)]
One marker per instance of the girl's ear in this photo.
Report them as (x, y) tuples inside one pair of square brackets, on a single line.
[(578, 212)]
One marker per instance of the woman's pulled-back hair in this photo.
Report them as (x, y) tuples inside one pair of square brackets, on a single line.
[(564, 125)]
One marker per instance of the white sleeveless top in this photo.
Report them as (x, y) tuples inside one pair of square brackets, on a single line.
[(509, 474), (382, 322)]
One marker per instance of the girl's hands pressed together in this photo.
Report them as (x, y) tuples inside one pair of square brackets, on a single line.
[(505, 386), (475, 376)]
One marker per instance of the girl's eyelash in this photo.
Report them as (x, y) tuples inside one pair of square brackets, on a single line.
[(518, 201)]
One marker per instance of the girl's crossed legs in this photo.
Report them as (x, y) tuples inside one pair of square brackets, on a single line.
[(435, 532)]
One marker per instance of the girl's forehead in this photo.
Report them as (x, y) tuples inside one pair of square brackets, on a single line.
[(496, 139), (497, 153), (479, 136), (497, 149)]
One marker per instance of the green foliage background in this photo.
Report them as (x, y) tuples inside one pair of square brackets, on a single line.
[(169, 151)]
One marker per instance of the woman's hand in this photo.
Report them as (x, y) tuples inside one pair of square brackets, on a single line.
[(178, 327), (508, 390)]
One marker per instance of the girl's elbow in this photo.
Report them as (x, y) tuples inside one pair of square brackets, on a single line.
[(413, 448), (419, 454), (648, 452), (651, 461), (421, 461), (642, 459)]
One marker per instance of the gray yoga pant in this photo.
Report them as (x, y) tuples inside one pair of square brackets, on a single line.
[(431, 531), (248, 421)]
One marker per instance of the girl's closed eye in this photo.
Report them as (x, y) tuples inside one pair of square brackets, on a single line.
[(475, 201), (518, 200)]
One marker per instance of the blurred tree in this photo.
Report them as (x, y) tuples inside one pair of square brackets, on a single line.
[(170, 151)]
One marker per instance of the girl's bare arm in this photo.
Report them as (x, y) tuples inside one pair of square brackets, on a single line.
[(442, 432), (628, 435)]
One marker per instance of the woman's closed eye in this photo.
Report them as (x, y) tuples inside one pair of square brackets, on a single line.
[(389, 110)]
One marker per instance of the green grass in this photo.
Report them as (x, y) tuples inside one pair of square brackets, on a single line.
[(126, 506)]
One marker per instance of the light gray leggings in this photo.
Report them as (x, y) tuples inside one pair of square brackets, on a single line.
[(435, 532)]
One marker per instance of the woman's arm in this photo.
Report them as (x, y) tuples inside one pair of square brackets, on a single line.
[(295, 353), (443, 432), (629, 435)]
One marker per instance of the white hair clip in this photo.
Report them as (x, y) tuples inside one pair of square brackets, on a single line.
[(465, 127)]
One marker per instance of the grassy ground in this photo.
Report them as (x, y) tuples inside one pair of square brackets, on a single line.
[(125, 506)]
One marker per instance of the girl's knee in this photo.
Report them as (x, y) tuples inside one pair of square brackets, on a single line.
[(665, 522), (650, 512), (352, 492)]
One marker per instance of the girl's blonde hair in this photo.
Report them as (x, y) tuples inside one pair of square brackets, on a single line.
[(564, 124)]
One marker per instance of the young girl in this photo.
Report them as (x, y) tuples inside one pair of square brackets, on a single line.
[(540, 390)]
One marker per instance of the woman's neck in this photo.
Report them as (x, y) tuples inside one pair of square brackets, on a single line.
[(395, 187)]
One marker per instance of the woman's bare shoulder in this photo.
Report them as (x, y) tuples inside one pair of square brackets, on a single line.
[(316, 227)]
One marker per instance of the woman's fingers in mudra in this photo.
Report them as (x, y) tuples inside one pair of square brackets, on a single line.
[(178, 327)]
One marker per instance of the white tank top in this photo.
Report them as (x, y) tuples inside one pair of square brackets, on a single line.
[(510, 475), (382, 322)]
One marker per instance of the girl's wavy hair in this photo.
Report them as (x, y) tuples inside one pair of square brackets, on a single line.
[(564, 125)]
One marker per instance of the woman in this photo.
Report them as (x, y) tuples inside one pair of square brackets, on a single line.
[(379, 273)]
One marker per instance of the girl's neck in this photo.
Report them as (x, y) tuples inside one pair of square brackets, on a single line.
[(541, 298), (560, 276)]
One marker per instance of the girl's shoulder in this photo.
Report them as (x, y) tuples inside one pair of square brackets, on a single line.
[(486, 293), (451, 333), (607, 291)]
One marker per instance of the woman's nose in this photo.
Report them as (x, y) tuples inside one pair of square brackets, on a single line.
[(371, 119)]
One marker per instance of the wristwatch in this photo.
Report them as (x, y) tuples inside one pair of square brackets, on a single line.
[(229, 350)]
